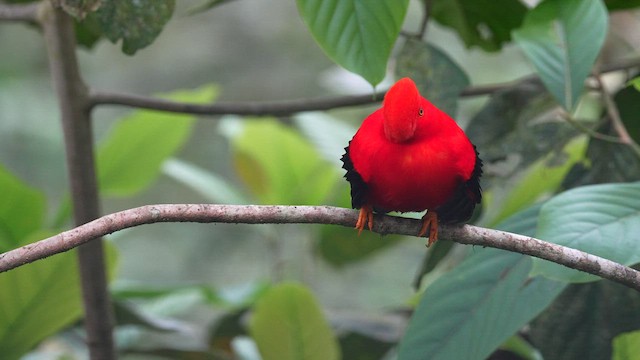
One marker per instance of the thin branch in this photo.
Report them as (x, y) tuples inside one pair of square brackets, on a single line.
[(589, 131), (614, 115), (425, 18), (19, 12), (255, 214), (276, 108), (286, 108)]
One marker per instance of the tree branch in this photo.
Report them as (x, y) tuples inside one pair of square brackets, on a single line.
[(614, 116), (19, 12), (255, 214), (286, 108), (78, 138), (276, 108)]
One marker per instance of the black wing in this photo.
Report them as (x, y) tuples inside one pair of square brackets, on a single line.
[(459, 207), (359, 188)]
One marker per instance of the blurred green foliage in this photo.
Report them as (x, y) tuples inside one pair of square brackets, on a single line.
[(471, 301)]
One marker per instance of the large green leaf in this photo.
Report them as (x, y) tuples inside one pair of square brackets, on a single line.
[(39, 299), (468, 312), (136, 22), (288, 324), (437, 76), (356, 34), (562, 39), (21, 210), (279, 166), (130, 158), (627, 346), (36, 300), (603, 220), (483, 23), (584, 319)]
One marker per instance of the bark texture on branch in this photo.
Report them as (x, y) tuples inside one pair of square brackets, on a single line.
[(274, 214)]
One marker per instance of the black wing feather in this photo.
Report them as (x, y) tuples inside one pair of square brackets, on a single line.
[(359, 188), (460, 206)]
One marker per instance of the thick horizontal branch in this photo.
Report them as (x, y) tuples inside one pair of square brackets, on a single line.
[(19, 12), (255, 214)]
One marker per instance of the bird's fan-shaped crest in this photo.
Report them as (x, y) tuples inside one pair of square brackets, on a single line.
[(402, 108)]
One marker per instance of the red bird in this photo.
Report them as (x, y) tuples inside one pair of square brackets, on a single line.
[(410, 156)]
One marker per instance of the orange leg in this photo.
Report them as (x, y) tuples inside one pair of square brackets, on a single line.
[(430, 221), (365, 217)]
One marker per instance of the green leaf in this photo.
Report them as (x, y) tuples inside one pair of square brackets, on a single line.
[(210, 185), (627, 346), (603, 220), (543, 178), (562, 39), (519, 346), (358, 35), (129, 159), (483, 23), (621, 4), (628, 102), (279, 166), (437, 76), (342, 246), (328, 134), (39, 299), (471, 310), (21, 210), (635, 82), (136, 22), (584, 319), (288, 324)]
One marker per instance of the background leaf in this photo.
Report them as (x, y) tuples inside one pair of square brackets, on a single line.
[(583, 321), (437, 76), (483, 23), (627, 346), (36, 301), (562, 39), (21, 210), (136, 22), (288, 324), (129, 159), (468, 312), (357, 35), (279, 166), (599, 219), (39, 299)]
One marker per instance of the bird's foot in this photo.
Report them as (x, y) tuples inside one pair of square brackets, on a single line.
[(430, 221), (365, 218)]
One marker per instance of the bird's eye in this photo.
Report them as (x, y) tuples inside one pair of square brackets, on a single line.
[(420, 112)]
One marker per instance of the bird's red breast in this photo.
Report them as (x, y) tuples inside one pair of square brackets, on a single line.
[(410, 156)]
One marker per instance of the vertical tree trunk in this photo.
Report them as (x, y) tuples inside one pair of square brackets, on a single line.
[(76, 122)]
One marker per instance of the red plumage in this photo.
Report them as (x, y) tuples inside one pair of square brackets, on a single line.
[(410, 156)]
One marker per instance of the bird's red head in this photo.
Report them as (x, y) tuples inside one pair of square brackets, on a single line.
[(402, 108)]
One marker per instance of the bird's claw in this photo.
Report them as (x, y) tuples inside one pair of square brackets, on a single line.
[(430, 221), (364, 218)]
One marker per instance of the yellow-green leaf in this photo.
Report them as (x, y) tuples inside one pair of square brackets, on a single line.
[(288, 324)]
